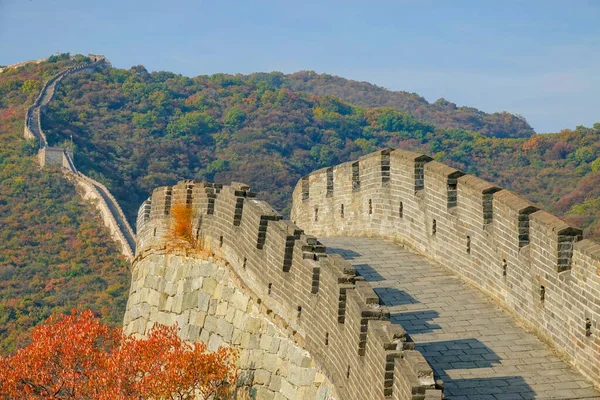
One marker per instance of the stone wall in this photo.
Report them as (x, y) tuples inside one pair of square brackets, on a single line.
[(33, 128), (110, 211), (17, 65), (51, 156), (326, 309), (536, 266), (89, 190), (209, 303)]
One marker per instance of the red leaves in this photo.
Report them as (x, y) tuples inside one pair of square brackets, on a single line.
[(62, 359), (77, 357), (9, 114)]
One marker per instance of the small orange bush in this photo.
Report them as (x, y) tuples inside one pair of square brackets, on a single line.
[(182, 224)]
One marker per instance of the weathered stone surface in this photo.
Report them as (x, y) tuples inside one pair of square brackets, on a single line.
[(263, 377), (301, 376), (262, 393), (288, 390), (215, 311)]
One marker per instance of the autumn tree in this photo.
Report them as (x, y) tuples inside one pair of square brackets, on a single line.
[(75, 356)]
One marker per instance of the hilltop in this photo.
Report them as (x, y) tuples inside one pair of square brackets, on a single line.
[(442, 113)]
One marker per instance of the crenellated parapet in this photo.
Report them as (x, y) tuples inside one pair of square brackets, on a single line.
[(329, 310), (534, 264), (33, 127)]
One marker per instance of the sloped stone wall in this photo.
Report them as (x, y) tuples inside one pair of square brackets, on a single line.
[(112, 214), (531, 262)]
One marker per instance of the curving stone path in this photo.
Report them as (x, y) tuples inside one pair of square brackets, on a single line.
[(35, 123), (477, 349), (106, 203), (48, 93)]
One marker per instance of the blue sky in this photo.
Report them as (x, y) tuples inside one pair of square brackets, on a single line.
[(539, 59)]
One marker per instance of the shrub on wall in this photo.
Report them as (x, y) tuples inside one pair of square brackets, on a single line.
[(181, 227)]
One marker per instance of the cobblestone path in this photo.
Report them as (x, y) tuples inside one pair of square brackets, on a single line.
[(471, 344)]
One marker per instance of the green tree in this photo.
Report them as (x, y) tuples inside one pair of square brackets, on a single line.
[(30, 86), (596, 165), (584, 154), (144, 120), (234, 118), (191, 124)]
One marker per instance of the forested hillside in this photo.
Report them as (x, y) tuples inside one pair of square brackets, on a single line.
[(136, 130), (54, 251), (442, 113)]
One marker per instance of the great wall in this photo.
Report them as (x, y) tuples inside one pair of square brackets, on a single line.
[(427, 241), (112, 214), (434, 284)]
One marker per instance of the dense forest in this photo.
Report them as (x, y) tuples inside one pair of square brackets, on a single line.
[(136, 130), (442, 113), (54, 251)]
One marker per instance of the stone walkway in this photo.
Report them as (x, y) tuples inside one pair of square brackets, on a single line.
[(471, 344)]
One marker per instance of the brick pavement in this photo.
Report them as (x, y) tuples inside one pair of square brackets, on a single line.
[(477, 349)]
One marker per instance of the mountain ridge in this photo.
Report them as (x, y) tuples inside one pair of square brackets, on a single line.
[(441, 113)]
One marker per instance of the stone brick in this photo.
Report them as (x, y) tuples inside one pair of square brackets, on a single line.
[(288, 390), (239, 301), (262, 377), (301, 376), (262, 393)]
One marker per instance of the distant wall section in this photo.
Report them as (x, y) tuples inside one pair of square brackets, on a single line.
[(17, 65), (110, 211), (33, 128), (56, 156)]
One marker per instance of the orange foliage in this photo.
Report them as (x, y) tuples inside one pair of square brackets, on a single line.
[(533, 143), (192, 99), (75, 356), (182, 221), (9, 113)]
